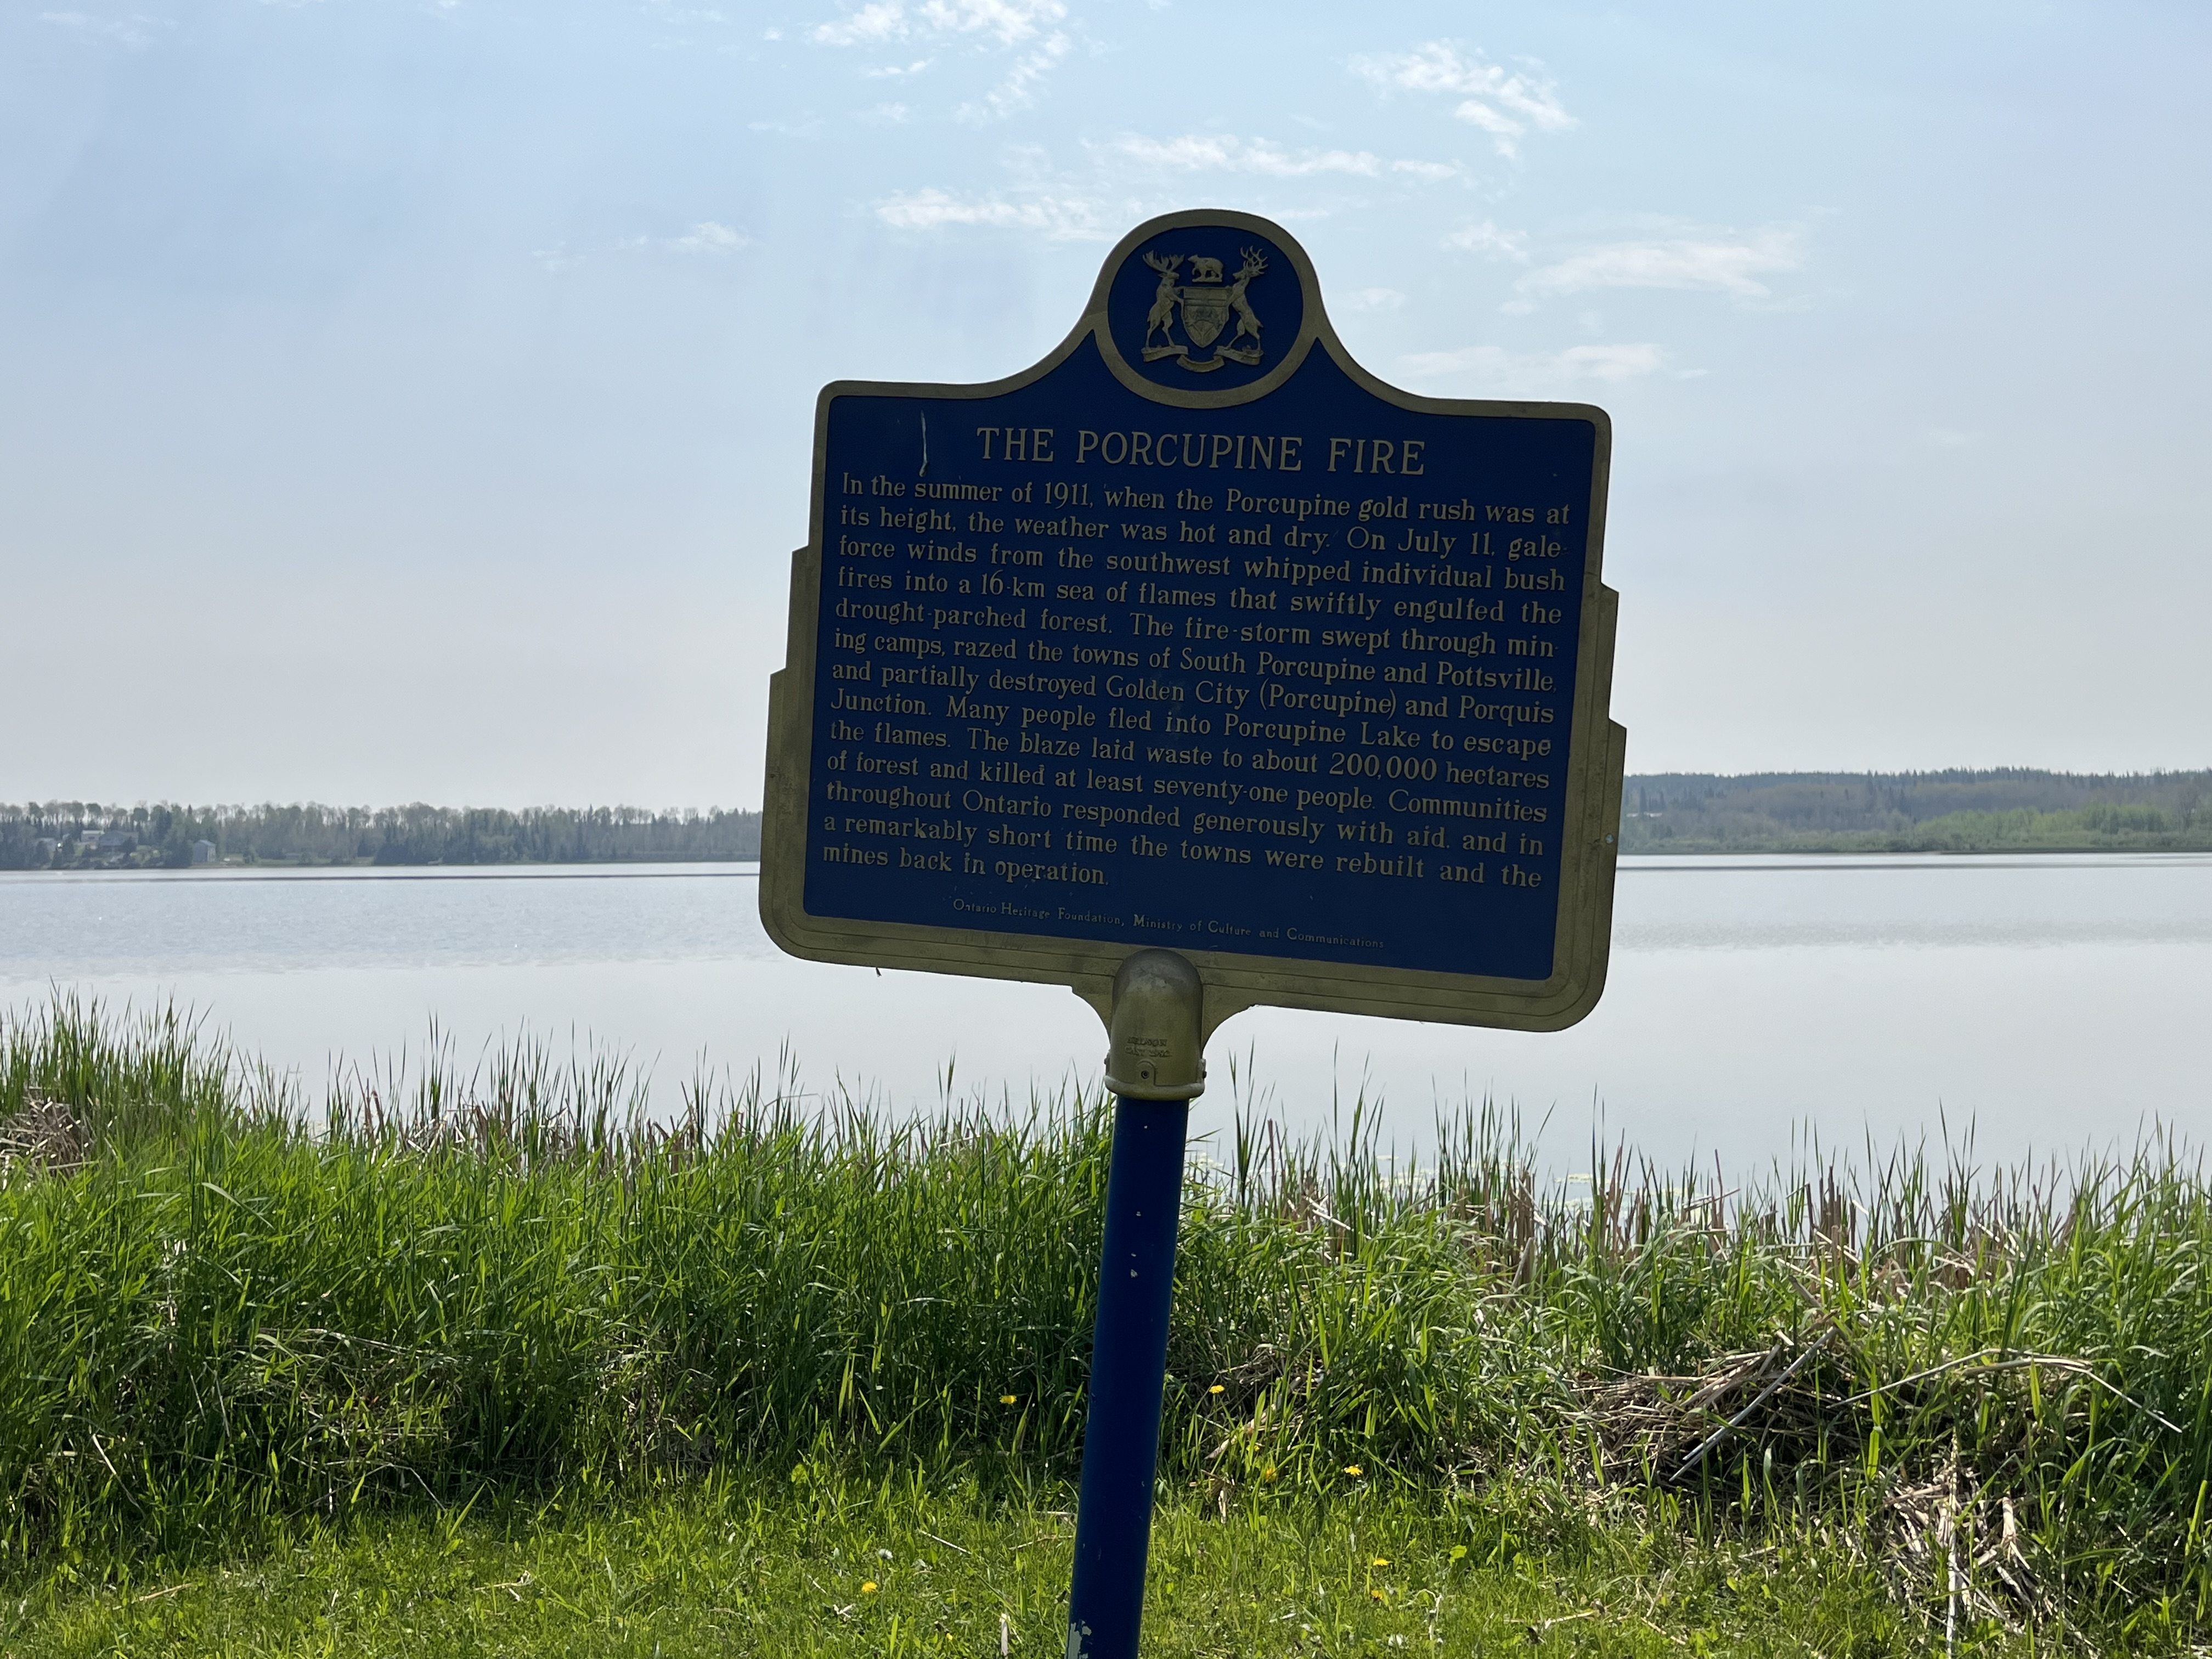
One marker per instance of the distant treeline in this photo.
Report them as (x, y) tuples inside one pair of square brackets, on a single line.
[(1917, 811), (83, 834), (1956, 812)]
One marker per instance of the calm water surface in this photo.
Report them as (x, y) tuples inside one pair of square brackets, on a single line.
[(2049, 1002)]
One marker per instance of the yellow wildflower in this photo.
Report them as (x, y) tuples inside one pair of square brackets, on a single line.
[(1215, 1389), (1354, 1470), (1382, 1560), (1005, 1400), (868, 1587)]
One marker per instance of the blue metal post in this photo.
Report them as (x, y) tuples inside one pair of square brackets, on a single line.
[(1128, 1366)]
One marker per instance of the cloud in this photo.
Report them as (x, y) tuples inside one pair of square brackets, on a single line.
[(1373, 299), (1487, 237), (1492, 368), (887, 114), (1713, 262), (889, 70), (1019, 89), (708, 237), (1203, 152), (1068, 205), (1008, 21), (882, 21), (125, 31), (1061, 218), (1504, 103)]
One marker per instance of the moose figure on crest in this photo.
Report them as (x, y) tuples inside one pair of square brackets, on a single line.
[(1248, 322), (1160, 319)]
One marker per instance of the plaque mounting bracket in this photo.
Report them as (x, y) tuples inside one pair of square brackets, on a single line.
[(1213, 1004)]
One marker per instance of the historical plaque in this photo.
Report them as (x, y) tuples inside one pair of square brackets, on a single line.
[(1196, 668), (1197, 636)]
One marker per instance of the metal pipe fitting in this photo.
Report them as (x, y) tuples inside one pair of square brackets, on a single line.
[(1154, 1047)]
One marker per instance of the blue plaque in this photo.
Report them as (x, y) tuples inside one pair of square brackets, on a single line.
[(1198, 636)]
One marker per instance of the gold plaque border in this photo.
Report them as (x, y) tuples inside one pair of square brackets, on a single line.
[(1595, 763)]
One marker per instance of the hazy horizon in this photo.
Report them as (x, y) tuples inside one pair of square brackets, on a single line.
[(1631, 781)]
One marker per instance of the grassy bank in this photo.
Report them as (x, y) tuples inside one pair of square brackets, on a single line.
[(829, 1566), (223, 1321)]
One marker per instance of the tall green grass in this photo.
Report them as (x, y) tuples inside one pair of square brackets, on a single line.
[(224, 1307)]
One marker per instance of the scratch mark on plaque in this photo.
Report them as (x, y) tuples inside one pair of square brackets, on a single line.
[(924, 473)]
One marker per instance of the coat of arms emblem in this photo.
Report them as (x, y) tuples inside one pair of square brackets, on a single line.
[(1206, 303)]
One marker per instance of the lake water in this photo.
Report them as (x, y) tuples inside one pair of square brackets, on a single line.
[(2049, 1002)]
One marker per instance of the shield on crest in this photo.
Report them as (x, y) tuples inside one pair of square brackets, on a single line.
[(1205, 314)]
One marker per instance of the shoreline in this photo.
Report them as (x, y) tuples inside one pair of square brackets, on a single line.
[(1630, 857)]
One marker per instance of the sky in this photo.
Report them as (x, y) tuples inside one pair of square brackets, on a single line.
[(413, 401)]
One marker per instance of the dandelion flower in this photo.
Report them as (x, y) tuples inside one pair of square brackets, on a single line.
[(1354, 1470), (1382, 1560), (1005, 1400), (1377, 1595), (1215, 1389), (1267, 1473), (868, 1587)]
